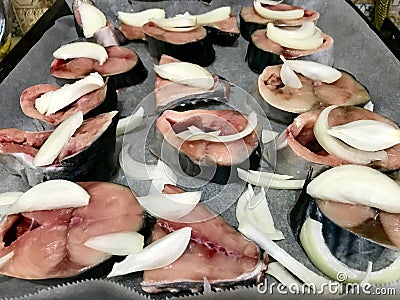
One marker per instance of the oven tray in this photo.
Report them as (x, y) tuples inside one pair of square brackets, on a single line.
[(358, 49)]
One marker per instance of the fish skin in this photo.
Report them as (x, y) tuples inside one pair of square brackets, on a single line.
[(55, 248)]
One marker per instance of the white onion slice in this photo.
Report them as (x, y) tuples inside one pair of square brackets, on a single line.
[(156, 255), (253, 208), (280, 36), (52, 147), (186, 73), (314, 245), (279, 272), (141, 171), (306, 30), (119, 243), (216, 15), (270, 2), (289, 77), (270, 180), (140, 18), (52, 194), (278, 14), (313, 70), (6, 258), (354, 184), (338, 148), (187, 135), (128, 124), (177, 23), (53, 101), (268, 136), (170, 206), (92, 18), (82, 49), (367, 135), (295, 267), (9, 198)]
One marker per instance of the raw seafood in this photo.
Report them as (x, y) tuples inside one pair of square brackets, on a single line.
[(49, 244), (88, 155), (216, 251)]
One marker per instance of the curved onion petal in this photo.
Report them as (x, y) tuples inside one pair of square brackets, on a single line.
[(281, 37), (215, 15), (270, 180), (279, 272), (270, 2), (52, 147), (6, 258), (277, 14), (187, 135), (9, 198), (178, 23), (92, 18), (354, 184), (254, 208), (140, 18), (53, 101), (336, 147), (118, 243), (289, 77), (52, 194), (141, 171), (318, 252), (306, 30), (186, 73), (170, 206), (128, 124), (367, 135), (82, 49), (313, 70), (156, 255)]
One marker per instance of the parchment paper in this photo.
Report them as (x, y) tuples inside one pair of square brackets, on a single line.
[(357, 50)]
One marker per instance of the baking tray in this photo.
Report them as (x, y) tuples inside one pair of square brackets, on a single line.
[(358, 49)]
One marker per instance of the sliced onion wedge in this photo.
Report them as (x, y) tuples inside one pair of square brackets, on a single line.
[(140, 18), (118, 243), (141, 171), (318, 252), (270, 2), (285, 38), (52, 147), (6, 258), (170, 206), (354, 184), (128, 124), (177, 23), (8, 198), (159, 254), (216, 15), (186, 73), (52, 194), (277, 14), (313, 70), (188, 135), (92, 18), (253, 208), (82, 49), (367, 135), (268, 136), (336, 147), (289, 77), (270, 180), (279, 272), (53, 101)]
